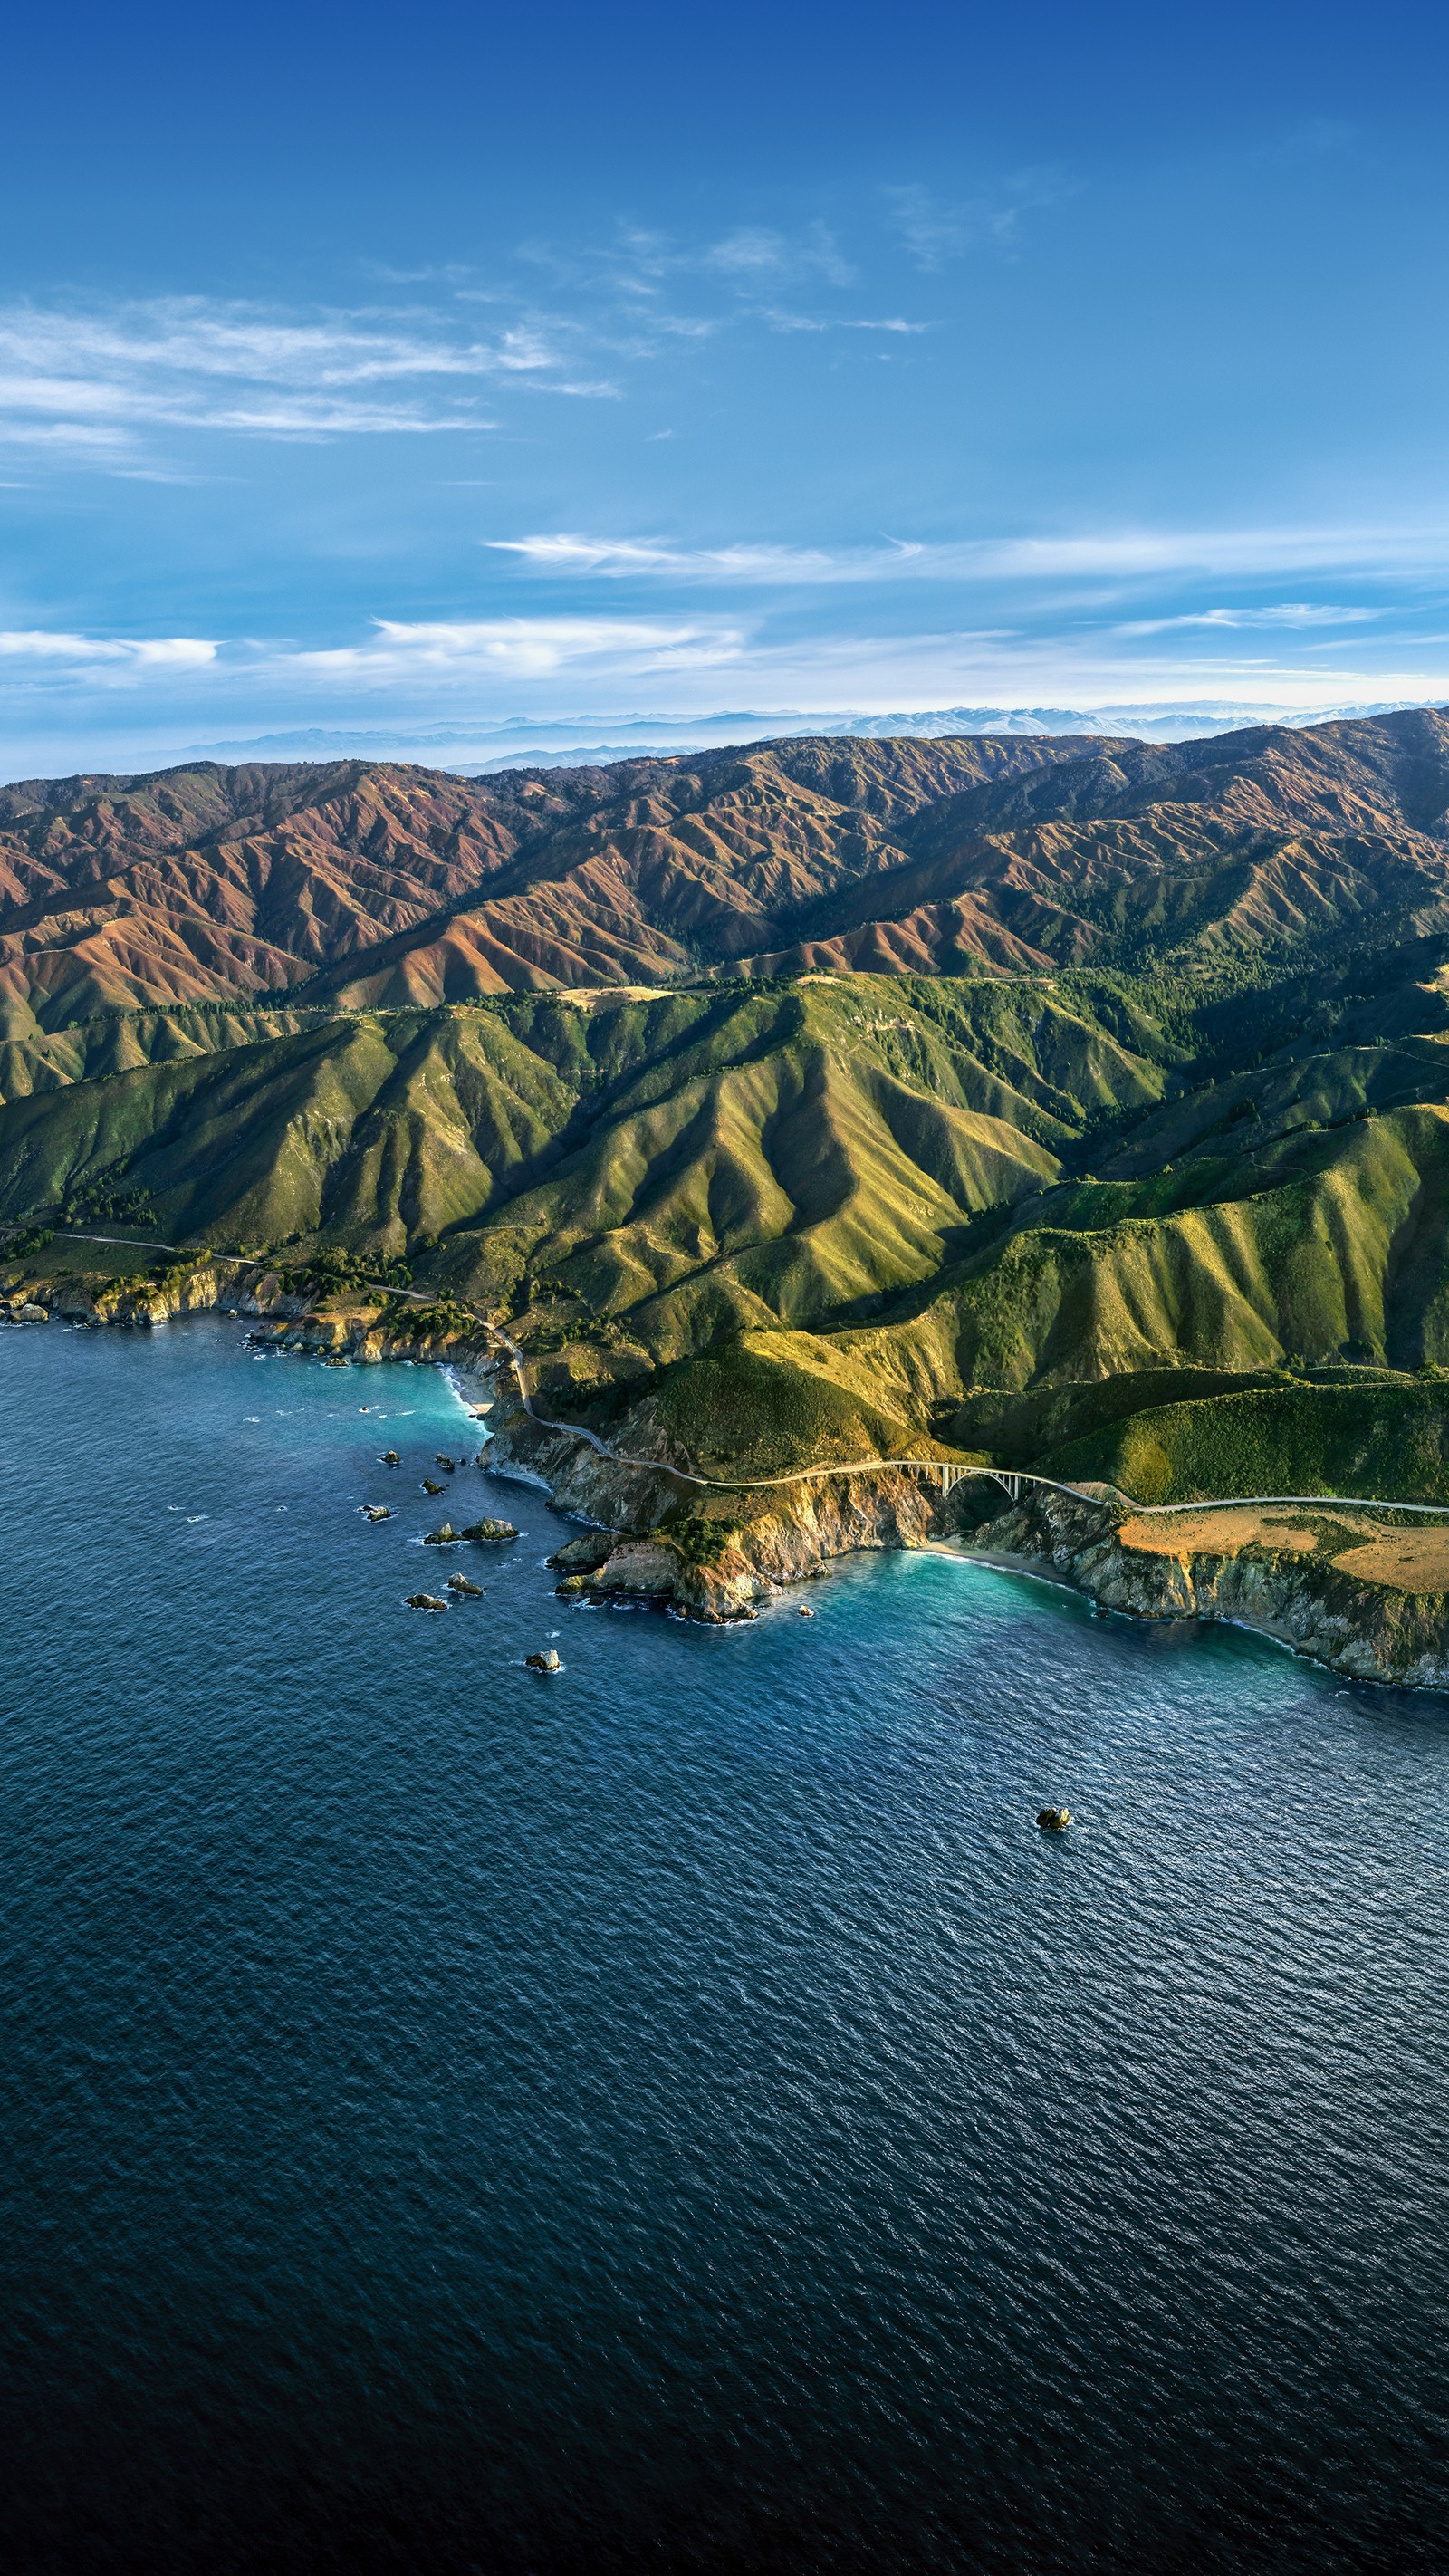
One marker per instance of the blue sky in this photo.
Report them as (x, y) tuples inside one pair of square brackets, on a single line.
[(418, 374)]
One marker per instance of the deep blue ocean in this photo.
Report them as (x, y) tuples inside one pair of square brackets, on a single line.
[(679, 2114)]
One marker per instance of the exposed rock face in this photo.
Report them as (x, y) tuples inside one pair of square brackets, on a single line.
[(651, 1547), (191, 1287), (196, 1284), (292, 1325), (1369, 1630), (655, 1544)]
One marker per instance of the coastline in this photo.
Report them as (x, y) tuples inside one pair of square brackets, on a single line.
[(1001, 1560), (1300, 1598), (650, 1531), (1348, 1627)]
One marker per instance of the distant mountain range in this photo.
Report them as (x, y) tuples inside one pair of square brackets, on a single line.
[(564, 741)]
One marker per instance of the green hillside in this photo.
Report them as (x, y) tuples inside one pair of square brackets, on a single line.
[(1383, 1439), (1111, 1217), (760, 1406)]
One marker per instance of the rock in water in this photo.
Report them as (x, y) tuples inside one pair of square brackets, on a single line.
[(441, 1461), (443, 1537), (390, 1458), (376, 1512), (1054, 1820), (547, 1662), (460, 1584), (425, 1601), (488, 1533)]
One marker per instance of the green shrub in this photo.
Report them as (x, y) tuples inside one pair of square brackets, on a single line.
[(699, 1540)]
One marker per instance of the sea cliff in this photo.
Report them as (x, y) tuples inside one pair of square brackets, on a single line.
[(1281, 1570), (1365, 1593), (702, 1551)]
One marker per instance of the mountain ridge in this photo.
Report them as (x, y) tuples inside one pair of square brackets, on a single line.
[(363, 883), (1147, 1082)]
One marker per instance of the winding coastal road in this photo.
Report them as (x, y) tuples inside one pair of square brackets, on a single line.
[(1010, 1478)]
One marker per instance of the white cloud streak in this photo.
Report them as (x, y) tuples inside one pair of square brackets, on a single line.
[(621, 557), (515, 647), (86, 380), (1287, 613), (43, 645), (1120, 556)]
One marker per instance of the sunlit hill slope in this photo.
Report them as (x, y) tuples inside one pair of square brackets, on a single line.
[(1007, 1090)]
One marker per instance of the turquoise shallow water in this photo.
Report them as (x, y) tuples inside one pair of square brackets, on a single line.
[(681, 2114)]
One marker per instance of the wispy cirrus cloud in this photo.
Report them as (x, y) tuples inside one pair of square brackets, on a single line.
[(515, 647), (1131, 553), (753, 251), (936, 230), (782, 321), (95, 654), (621, 557), (636, 261), (1292, 613), (1120, 558), (92, 379)]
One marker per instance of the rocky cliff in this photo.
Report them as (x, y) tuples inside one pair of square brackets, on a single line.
[(701, 1551), (1284, 1576)]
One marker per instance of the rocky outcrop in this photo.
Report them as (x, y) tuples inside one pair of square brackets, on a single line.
[(702, 1553), (190, 1287), (292, 1325), (1368, 1630)]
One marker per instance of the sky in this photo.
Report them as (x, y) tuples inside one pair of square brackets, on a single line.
[(440, 378)]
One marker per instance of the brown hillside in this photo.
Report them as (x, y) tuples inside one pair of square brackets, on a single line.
[(211, 883), (375, 884)]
